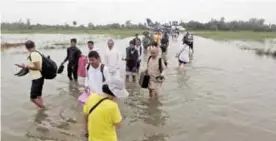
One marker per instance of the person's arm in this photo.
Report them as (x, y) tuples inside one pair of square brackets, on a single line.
[(105, 59), (142, 53), (106, 74), (118, 60), (79, 54), (67, 56), (85, 115), (163, 67), (116, 116), (86, 78), (124, 58), (36, 58), (137, 56)]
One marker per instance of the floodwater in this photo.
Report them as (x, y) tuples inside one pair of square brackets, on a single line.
[(225, 94)]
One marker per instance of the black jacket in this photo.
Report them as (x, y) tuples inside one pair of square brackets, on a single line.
[(132, 56), (73, 55)]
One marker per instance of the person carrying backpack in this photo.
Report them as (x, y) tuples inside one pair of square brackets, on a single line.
[(40, 68), (155, 69), (97, 73)]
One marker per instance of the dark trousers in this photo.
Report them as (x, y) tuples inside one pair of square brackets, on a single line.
[(72, 70), (138, 65)]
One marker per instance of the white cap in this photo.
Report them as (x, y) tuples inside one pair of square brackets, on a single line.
[(117, 87)]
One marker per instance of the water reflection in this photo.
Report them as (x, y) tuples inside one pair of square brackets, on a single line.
[(182, 78), (152, 113), (73, 89), (157, 137), (40, 116)]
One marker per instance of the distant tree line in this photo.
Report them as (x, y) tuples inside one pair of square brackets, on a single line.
[(253, 24)]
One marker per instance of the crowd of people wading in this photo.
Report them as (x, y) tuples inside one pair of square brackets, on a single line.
[(101, 77)]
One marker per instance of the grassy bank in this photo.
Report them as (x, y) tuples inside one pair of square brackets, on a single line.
[(235, 35), (218, 35), (114, 32)]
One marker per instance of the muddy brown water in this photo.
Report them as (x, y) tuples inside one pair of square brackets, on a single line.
[(225, 94)]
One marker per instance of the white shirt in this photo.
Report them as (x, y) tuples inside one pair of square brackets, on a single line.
[(140, 51), (183, 53), (94, 79), (190, 38), (112, 59)]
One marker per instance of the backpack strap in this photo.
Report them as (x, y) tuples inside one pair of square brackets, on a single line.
[(29, 57), (96, 105), (102, 71), (140, 49), (159, 64), (101, 68), (88, 66)]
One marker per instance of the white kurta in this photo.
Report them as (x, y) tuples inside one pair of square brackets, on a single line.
[(112, 59)]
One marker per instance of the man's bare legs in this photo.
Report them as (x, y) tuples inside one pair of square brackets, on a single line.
[(153, 93), (38, 102)]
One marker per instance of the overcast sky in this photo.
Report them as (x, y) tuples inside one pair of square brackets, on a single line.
[(109, 11)]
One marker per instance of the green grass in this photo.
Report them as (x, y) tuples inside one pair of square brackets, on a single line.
[(122, 33), (235, 35), (113, 32)]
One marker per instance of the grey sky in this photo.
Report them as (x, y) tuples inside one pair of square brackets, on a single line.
[(109, 11)]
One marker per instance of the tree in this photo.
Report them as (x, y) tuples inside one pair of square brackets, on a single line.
[(128, 23), (91, 26), (28, 23), (74, 23)]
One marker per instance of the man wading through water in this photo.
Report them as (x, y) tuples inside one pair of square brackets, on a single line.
[(155, 69), (136, 39), (164, 47), (35, 68), (131, 59), (91, 47), (73, 55), (112, 58), (139, 48), (189, 40), (97, 73)]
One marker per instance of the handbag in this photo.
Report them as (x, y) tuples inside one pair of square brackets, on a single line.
[(144, 79)]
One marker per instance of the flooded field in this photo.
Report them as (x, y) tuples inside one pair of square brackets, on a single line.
[(225, 94)]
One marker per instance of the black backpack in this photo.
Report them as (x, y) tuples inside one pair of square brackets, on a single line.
[(102, 69), (49, 67), (159, 64)]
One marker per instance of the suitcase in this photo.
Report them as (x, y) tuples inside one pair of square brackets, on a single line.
[(144, 80)]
